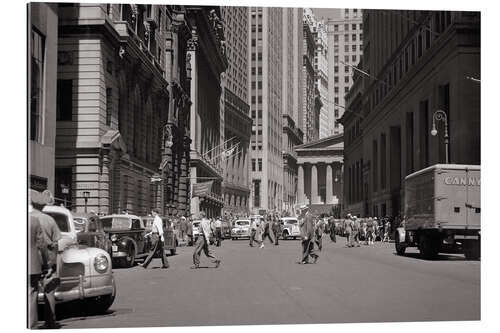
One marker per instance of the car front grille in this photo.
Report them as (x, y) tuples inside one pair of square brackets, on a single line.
[(73, 270)]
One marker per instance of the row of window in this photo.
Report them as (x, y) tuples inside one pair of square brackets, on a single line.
[(346, 37), (353, 48), (256, 164), (354, 26)]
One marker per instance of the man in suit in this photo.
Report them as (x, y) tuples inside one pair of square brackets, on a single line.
[(307, 235), (37, 251), (276, 230), (51, 235)]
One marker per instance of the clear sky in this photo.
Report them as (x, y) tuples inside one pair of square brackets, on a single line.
[(326, 13)]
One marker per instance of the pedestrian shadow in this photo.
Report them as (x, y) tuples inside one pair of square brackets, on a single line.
[(440, 257), (206, 267)]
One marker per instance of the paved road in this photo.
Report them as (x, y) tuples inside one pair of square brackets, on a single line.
[(266, 286)]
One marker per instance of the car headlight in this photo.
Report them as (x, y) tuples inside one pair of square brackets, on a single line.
[(101, 263), (114, 238)]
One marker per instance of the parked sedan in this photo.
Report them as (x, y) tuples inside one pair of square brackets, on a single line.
[(85, 272), (93, 234), (128, 237), (241, 229)]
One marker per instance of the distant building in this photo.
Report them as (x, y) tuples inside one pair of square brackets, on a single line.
[(422, 61), (265, 73), (237, 121), (291, 103), (345, 48), (309, 120), (42, 92), (321, 77)]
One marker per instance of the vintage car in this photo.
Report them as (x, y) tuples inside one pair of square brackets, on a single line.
[(289, 227), (226, 229), (93, 234), (171, 241), (85, 272), (241, 229), (128, 237)]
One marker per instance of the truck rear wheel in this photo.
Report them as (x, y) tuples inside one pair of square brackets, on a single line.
[(472, 250), (429, 246)]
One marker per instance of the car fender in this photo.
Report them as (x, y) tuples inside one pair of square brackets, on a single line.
[(127, 240)]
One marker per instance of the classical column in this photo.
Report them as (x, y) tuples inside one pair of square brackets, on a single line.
[(300, 185), (315, 199), (329, 184)]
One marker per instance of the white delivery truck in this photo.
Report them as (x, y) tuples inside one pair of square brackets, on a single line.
[(442, 211)]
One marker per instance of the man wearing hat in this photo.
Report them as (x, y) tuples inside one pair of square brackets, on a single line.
[(307, 234), (37, 251), (51, 235)]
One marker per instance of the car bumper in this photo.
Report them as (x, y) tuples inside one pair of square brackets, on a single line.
[(106, 286), (119, 254)]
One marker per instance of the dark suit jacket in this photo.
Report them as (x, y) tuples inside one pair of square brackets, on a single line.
[(307, 227)]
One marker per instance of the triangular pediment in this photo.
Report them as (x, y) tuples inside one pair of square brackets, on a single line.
[(333, 142)]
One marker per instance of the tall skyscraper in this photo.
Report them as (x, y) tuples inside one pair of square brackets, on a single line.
[(237, 121), (292, 71), (309, 120), (321, 76), (345, 43), (265, 72)]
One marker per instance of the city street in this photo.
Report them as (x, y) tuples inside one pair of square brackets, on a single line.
[(266, 286)]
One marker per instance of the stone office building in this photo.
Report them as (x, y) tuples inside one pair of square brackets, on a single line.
[(42, 82), (206, 54), (123, 97), (421, 67)]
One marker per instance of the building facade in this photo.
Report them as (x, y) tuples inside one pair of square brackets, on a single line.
[(42, 86), (237, 121), (123, 97), (321, 77), (422, 61), (320, 173), (265, 73), (309, 120), (291, 103), (345, 45), (207, 56)]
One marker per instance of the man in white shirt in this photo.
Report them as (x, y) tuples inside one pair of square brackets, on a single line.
[(203, 243), (218, 231), (157, 241)]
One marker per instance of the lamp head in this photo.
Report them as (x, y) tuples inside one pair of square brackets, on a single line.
[(434, 131)]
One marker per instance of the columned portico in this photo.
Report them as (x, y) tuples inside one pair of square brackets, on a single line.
[(320, 174)]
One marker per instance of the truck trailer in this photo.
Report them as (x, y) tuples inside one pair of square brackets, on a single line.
[(442, 211)]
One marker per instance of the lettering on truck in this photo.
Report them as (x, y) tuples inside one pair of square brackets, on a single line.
[(471, 181)]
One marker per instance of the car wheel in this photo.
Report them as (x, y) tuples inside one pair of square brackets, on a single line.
[(129, 260), (429, 246), (285, 235), (472, 250), (173, 251)]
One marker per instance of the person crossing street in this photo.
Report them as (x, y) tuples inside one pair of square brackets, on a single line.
[(307, 235), (203, 244), (157, 242)]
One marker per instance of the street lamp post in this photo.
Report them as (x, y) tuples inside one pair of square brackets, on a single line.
[(440, 115), (86, 195)]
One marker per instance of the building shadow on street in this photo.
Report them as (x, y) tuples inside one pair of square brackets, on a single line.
[(440, 257)]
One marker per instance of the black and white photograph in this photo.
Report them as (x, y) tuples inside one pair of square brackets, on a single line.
[(226, 164)]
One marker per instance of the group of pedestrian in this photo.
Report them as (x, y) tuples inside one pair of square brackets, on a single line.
[(368, 229), (42, 275), (267, 228)]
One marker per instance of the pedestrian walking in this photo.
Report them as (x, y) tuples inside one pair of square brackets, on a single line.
[(218, 231), (387, 230), (348, 230), (333, 236), (259, 231), (319, 228), (158, 240), (189, 231), (355, 226), (267, 230), (183, 228), (253, 230), (203, 243), (307, 235), (51, 235), (276, 230)]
